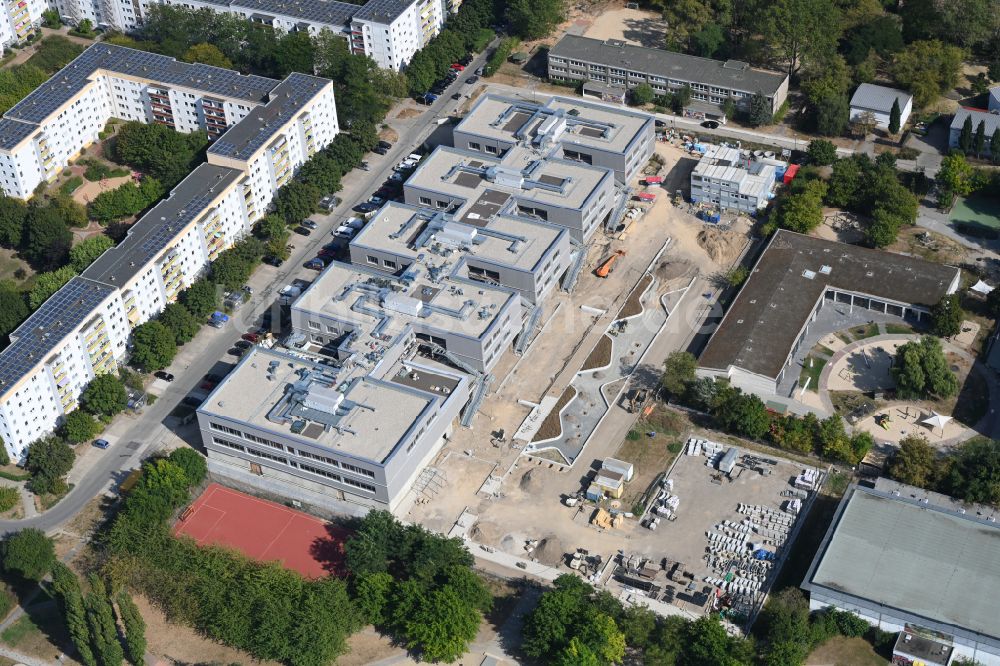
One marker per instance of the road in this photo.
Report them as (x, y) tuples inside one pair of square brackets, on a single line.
[(135, 437)]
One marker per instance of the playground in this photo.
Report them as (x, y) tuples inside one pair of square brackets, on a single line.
[(902, 419)]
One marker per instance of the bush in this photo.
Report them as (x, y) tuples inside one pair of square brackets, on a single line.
[(49, 460), (71, 185), (9, 498), (105, 395), (28, 554), (500, 55)]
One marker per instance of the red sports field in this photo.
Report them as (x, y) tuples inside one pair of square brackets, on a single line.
[(264, 531)]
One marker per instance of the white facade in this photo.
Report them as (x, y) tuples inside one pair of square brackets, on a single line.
[(391, 32), (878, 101), (728, 179), (82, 330)]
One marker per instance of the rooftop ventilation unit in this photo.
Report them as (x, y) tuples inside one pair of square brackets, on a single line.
[(809, 275), (825, 270), (396, 302)]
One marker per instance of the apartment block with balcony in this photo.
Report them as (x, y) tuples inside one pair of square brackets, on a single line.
[(617, 64)]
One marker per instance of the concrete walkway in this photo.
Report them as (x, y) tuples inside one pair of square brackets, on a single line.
[(594, 398)]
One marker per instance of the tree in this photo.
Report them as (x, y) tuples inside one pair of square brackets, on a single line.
[(72, 213), (84, 253), (974, 472), (4, 456), (201, 298), (67, 589), (135, 628), (604, 638), (161, 152), (207, 54), (921, 370), (49, 460), (979, 140), (803, 211), (296, 201), (784, 622), (443, 626), (707, 41), (79, 426), (965, 137), (101, 619), (551, 625), (47, 284), (741, 413), (678, 372), (104, 396), (895, 114), (192, 463), (947, 316), (154, 346), (47, 240), (995, 146), (371, 593), (532, 19), (956, 174), (13, 213), (760, 110), (914, 463), (642, 94), (13, 309), (803, 30), (822, 152), (927, 69), (707, 642), (181, 323), (50, 18), (29, 554)]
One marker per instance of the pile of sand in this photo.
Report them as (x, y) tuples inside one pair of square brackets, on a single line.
[(723, 247), (668, 270), (549, 551)]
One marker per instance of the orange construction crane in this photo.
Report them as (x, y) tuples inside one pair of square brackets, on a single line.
[(605, 268)]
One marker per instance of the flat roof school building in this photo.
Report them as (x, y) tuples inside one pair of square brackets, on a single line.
[(904, 562), (795, 277), (624, 66)]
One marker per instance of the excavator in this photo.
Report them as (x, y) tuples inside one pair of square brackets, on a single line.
[(608, 265)]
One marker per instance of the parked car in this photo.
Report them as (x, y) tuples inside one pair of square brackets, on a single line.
[(455, 67), (207, 386), (378, 201), (309, 224), (243, 344), (479, 71), (465, 60), (272, 260), (472, 79), (102, 443), (343, 232), (380, 150), (366, 207), (384, 144), (248, 290), (660, 123), (213, 378), (252, 338), (329, 202), (316, 264), (457, 96), (164, 375), (303, 231), (710, 124), (192, 401)]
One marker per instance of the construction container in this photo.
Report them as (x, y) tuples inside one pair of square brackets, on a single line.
[(728, 461), (624, 468)]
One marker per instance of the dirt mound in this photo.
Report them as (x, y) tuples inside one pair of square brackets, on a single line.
[(484, 532), (668, 270), (549, 551), (722, 246), (528, 483)]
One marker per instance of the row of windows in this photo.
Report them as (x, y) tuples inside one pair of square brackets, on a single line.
[(245, 435), (308, 468)]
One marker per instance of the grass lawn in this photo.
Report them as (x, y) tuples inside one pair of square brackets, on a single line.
[(843, 651), (811, 369), (651, 455), (39, 632), (822, 350), (9, 264), (864, 331), (977, 214), (899, 329)]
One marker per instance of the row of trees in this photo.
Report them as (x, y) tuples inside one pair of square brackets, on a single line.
[(417, 586), (975, 142), (467, 31), (745, 415), (969, 471)]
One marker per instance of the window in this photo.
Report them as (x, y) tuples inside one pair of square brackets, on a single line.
[(314, 325), (424, 201), (373, 260), (492, 150), (358, 470), (474, 146), (389, 264)]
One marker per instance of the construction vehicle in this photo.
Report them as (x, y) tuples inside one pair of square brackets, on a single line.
[(608, 265), (579, 559), (636, 400)]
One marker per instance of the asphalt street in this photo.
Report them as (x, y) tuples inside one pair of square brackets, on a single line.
[(133, 438)]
